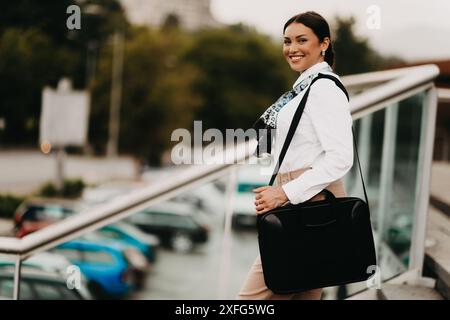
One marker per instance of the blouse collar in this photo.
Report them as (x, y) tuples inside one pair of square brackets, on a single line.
[(316, 68)]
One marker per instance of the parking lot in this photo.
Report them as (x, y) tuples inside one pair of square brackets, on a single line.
[(212, 269), (195, 275)]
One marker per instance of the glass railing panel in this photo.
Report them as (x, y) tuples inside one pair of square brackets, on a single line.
[(390, 179), (398, 228), (190, 256)]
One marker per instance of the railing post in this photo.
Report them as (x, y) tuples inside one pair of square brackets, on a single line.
[(17, 275), (387, 171), (226, 237), (60, 162), (425, 161), (364, 143)]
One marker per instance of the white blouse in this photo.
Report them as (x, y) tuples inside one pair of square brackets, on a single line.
[(323, 139)]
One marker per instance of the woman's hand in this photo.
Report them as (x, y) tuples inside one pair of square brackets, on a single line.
[(268, 198)]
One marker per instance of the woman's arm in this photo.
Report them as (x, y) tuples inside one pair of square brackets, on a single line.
[(330, 114)]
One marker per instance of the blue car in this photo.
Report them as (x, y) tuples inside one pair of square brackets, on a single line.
[(104, 265), (130, 235), (140, 247)]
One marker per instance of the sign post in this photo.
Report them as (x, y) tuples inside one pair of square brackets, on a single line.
[(64, 122)]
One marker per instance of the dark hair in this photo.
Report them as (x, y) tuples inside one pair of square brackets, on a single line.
[(319, 26)]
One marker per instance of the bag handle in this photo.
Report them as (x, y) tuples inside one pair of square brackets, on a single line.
[(296, 120)]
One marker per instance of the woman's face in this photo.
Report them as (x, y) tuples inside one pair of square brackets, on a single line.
[(301, 47)]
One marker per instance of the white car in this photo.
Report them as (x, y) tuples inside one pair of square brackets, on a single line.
[(249, 177), (208, 198), (45, 269), (50, 262), (107, 191)]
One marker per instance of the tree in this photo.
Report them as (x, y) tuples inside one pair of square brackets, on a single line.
[(172, 77), (37, 49), (354, 54), (242, 72), (172, 21), (157, 94), (28, 62), (48, 16)]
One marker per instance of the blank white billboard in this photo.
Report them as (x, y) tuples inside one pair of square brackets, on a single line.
[(64, 116)]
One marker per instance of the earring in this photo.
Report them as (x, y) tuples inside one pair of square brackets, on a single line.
[(323, 52)]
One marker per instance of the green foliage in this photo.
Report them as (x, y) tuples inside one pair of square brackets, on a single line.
[(48, 16), (157, 98), (37, 49), (8, 205), (71, 189), (48, 190), (28, 62), (225, 76), (99, 19), (171, 22), (242, 72), (354, 54)]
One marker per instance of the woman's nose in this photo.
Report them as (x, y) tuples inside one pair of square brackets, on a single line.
[(294, 48)]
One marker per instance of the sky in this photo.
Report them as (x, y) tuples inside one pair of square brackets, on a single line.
[(415, 30)]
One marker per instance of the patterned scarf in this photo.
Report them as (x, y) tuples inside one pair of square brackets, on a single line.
[(268, 119)]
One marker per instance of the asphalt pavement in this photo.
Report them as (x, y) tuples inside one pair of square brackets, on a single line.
[(196, 275)]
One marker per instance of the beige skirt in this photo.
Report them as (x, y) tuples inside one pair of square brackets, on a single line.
[(254, 287)]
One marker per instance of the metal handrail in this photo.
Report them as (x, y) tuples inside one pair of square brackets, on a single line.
[(396, 83), (72, 227), (121, 207), (396, 86), (367, 79)]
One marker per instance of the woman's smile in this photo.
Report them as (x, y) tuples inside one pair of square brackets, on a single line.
[(296, 58)]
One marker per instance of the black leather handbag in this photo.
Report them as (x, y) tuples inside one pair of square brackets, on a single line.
[(316, 244)]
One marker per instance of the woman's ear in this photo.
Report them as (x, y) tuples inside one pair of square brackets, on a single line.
[(325, 44)]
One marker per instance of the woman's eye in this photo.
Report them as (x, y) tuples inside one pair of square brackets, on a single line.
[(287, 41), (302, 40)]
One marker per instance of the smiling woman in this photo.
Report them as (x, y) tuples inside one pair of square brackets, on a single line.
[(306, 40), (319, 150)]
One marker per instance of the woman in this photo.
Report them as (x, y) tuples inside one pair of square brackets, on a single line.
[(321, 151)]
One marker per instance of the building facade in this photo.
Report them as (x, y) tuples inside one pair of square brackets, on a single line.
[(192, 14)]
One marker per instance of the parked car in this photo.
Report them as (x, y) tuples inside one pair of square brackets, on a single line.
[(133, 236), (46, 261), (138, 262), (105, 266), (178, 225), (248, 178), (110, 190), (36, 284), (207, 198), (37, 213)]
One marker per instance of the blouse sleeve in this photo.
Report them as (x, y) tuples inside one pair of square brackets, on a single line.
[(330, 114)]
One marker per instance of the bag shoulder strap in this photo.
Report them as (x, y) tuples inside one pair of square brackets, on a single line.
[(296, 120)]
